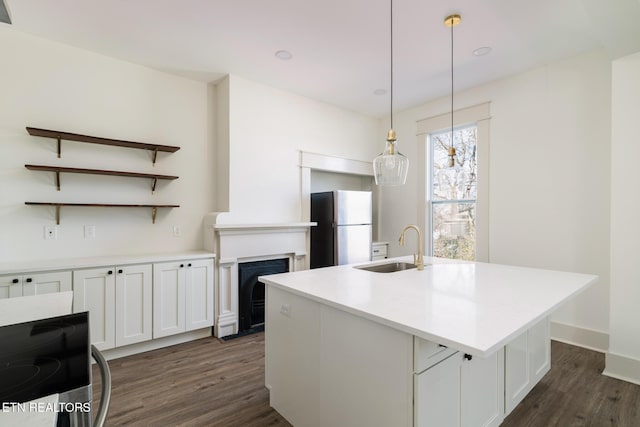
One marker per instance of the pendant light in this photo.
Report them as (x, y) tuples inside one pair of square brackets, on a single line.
[(451, 21), (391, 166)]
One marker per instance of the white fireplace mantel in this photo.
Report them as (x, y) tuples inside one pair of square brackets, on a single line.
[(237, 243)]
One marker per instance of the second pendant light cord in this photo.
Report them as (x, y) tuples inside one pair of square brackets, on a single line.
[(391, 66), (451, 21), (452, 150)]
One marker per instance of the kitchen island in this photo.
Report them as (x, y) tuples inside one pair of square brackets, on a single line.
[(458, 343)]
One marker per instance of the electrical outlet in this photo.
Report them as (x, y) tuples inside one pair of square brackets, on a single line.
[(177, 231), (285, 310), (50, 232), (89, 231)]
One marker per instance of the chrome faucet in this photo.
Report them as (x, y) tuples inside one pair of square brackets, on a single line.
[(418, 259)]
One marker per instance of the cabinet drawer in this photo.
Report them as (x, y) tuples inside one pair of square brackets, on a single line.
[(428, 353)]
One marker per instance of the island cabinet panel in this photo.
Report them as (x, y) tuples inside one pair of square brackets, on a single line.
[(482, 390), (366, 372), (27, 284), (326, 367), (527, 360), (437, 394), (292, 356), (461, 391)]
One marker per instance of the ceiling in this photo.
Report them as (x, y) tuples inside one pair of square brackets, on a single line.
[(340, 48)]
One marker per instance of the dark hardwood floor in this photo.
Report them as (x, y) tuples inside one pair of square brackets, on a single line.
[(214, 383), (575, 393), (206, 382)]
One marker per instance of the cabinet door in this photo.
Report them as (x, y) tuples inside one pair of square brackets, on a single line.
[(527, 359), (47, 283), (539, 350), (95, 291), (10, 286), (517, 373), (133, 304), (169, 298), (437, 394), (199, 294), (482, 391)]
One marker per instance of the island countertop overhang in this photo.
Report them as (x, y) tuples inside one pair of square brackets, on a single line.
[(473, 307)]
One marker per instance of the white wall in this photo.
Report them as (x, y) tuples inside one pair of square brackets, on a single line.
[(267, 130), (623, 359), (54, 86), (548, 176)]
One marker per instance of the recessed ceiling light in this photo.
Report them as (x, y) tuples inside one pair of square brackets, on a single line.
[(285, 55), (481, 51), (379, 92)]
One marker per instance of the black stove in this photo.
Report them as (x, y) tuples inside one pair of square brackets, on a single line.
[(44, 357)]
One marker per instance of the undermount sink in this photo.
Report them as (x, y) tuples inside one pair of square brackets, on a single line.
[(388, 267)]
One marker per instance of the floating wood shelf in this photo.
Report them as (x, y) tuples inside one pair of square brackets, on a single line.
[(57, 169), (58, 135), (154, 208)]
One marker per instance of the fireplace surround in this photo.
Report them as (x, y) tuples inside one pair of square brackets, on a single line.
[(242, 243)]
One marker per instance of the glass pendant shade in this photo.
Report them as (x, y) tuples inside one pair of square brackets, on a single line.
[(391, 166)]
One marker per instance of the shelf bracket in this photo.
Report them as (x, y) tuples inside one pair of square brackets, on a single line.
[(59, 145), (58, 180), (154, 211), (153, 185), (155, 155), (57, 214)]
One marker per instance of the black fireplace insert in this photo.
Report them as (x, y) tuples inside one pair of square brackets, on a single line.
[(251, 293)]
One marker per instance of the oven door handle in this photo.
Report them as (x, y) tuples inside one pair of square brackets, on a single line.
[(105, 396)]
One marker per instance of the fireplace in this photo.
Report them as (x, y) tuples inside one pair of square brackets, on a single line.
[(236, 244), (251, 292)]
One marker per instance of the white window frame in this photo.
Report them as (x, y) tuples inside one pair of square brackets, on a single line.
[(479, 116)]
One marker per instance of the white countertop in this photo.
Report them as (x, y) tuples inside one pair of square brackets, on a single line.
[(33, 266), (472, 307)]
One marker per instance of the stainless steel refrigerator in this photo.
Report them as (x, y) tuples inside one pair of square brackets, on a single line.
[(343, 233)]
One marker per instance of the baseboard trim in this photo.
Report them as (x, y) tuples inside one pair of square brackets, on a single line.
[(622, 368), (116, 353), (581, 337)]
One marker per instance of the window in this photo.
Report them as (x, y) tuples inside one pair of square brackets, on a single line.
[(454, 203), (452, 193)]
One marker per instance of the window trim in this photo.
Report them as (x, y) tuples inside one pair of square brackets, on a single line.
[(478, 115)]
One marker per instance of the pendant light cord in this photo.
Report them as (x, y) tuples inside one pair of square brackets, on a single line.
[(452, 82), (391, 66)]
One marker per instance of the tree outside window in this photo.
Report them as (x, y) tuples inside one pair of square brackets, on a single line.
[(452, 194)]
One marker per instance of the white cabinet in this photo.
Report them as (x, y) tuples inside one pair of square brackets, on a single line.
[(199, 294), (94, 291), (18, 285), (482, 390), (119, 302), (169, 294), (437, 394), (182, 296), (326, 367), (134, 304), (460, 391), (527, 360), (10, 286)]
